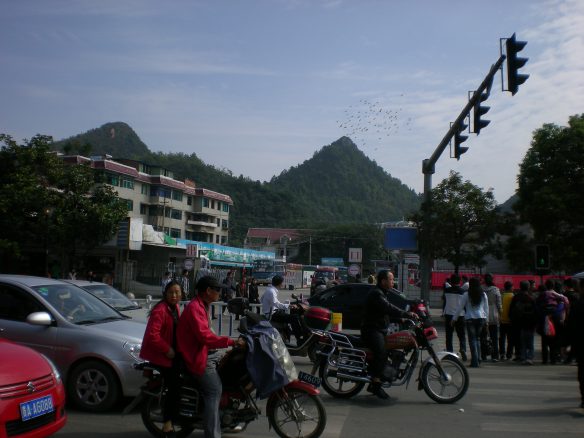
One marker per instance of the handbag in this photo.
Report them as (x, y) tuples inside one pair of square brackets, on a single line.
[(549, 329)]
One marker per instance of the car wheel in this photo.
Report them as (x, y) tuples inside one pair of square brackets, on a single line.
[(93, 386)]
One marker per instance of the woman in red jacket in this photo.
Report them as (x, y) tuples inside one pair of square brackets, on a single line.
[(159, 347)]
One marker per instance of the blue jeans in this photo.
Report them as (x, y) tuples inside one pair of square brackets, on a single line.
[(474, 327), (211, 387), (527, 336)]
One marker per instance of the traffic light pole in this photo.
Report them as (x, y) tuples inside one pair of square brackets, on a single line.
[(429, 167)]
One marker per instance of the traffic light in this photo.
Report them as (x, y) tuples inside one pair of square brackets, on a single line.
[(514, 78), (458, 139), (478, 111), (542, 257)]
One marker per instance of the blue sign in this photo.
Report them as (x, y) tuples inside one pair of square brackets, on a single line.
[(401, 238)]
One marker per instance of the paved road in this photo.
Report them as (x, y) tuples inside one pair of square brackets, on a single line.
[(506, 398)]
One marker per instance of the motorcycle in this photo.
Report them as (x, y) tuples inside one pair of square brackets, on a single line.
[(308, 328), (442, 375), (294, 410)]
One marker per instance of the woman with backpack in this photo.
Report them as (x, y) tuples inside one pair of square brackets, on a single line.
[(523, 316)]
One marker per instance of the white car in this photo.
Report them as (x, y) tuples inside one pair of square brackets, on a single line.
[(92, 344), (114, 298)]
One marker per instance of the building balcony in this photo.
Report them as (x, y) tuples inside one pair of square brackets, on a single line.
[(202, 224)]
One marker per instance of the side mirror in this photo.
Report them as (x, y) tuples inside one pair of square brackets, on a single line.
[(39, 318)]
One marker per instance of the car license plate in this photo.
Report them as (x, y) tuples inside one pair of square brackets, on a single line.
[(309, 378), (36, 408)]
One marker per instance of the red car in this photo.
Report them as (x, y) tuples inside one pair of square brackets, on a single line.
[(32, 397)]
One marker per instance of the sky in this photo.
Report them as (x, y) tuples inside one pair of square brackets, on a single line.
[(258, 86)]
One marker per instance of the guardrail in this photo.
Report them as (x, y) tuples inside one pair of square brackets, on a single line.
[(218, 325)]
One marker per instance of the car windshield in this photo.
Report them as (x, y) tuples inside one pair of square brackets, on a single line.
[(76, 305), (112, 296), (325, 275)]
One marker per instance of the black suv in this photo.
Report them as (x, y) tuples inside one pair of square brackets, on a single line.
[(349, 299)]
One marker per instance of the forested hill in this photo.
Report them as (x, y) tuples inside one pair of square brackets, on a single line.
[(343, 182), (338, 185)]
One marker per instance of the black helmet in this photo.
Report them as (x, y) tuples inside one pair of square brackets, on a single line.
[(277, 280)]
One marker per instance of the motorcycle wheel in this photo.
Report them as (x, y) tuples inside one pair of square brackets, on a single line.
[(339, 388), (152, 418), (441, 391), (296, 413)]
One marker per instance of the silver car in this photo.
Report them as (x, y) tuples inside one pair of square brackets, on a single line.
[(92, 344), (114, 298)]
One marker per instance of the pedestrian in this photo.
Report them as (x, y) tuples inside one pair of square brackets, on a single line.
[(464, 285), (199, 348), (495, 305), (476, 311), (159, 347), (507, 337), (72, 275), (523, 315), (252, 292), (550, 306), (576, 330), (228, 291), (185, 283), (166, 278), (571, 292), (451, 300)]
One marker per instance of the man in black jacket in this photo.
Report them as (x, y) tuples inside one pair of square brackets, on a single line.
[(378, 311)]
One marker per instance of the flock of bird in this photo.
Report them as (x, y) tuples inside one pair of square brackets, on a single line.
[(369, 124)]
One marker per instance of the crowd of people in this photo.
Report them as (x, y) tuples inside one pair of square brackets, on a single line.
[(502, 325)]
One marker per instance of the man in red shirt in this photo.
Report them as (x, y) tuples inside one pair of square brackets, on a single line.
[(198, 346)]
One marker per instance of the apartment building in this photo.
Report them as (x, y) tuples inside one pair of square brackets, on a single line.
[(177, 208)]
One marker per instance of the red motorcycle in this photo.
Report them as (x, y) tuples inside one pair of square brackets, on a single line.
[(294, 410), (344, 366)]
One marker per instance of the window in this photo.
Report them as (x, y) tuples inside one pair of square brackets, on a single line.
[(226, 207), (177, 196), (167, 211), (127, 183), (223, 240), (166, 230), (224, 223), (175, 232), (154, 210), (16, 304), (176, 214), (145, 189), (143, 208), (160, 191), (189, 200), (206, 202), (217, 238), (189, 235), (112, 180), (218, 205), (212, 203), (130, 204), (218, 222)]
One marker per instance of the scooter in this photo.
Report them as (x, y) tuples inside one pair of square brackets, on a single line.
[(305, 323)]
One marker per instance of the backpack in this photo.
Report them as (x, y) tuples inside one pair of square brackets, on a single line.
[(525, 310)]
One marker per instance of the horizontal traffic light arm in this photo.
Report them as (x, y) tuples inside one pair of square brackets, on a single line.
[(428, 164)]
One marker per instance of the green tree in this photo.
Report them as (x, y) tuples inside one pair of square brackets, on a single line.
[(50, 205), (550, 191), (459, 223)]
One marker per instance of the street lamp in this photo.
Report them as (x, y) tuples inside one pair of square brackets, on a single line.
[(47, 213)]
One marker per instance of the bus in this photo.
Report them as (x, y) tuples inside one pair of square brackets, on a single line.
[(264, 270)]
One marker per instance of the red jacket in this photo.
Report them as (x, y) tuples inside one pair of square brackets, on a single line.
[(195, 338), (158, 336)]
